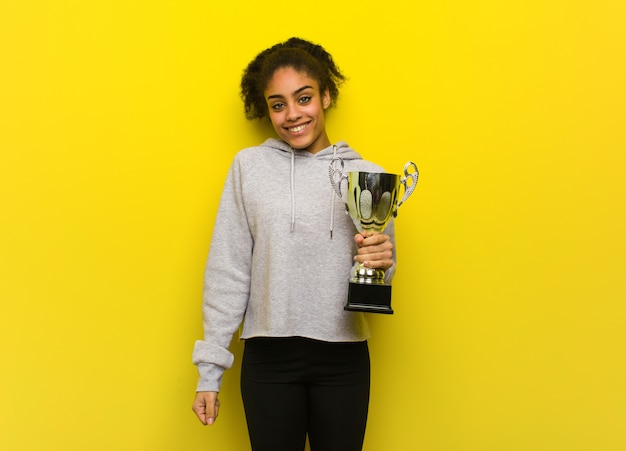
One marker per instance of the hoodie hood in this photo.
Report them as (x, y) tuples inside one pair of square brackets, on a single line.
[(343, 150), (340, 150)]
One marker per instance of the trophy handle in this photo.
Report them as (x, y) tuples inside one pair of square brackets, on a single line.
[(413, 176), (335, 172)]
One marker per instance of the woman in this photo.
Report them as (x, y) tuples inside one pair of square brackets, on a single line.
[(280, 260)]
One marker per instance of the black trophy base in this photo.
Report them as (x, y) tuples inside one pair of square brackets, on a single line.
[(369, 298)]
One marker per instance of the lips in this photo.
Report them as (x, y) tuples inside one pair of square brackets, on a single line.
[(297, 128)]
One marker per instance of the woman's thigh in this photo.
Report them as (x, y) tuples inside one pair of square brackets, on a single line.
[(339, 398), (274, 396)]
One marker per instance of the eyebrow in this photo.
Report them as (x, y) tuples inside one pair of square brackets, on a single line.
[(296, 92)]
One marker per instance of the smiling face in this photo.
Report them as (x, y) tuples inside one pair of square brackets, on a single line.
[(296, 108)]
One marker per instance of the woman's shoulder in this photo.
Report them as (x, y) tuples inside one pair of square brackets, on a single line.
[(248, 153), (354, 161), (265, 156), (269, 146)]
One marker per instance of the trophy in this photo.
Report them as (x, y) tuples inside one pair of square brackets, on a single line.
[(372, 200)]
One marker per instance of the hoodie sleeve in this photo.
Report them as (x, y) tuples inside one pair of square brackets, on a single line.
[(226, 284)]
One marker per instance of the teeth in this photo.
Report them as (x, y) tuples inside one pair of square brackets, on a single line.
[(297, 129)]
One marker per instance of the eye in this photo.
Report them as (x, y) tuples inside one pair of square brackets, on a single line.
[(304, 100), (277, 106)]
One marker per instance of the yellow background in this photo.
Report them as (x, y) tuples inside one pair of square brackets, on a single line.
[(118, 120)]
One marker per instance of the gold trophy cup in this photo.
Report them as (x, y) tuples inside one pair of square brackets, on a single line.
[(372, 199)]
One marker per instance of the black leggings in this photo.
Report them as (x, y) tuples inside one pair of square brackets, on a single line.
[(294, 386)]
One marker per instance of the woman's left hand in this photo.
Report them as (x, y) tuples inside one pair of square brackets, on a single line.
[(374, 250)]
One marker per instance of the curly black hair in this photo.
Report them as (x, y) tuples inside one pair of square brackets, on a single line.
[(302, 56)]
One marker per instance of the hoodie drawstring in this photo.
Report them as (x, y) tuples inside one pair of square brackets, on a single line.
[(332, 199), (293, 188)]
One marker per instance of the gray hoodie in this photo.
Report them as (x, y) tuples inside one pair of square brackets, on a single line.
[(273, 263)]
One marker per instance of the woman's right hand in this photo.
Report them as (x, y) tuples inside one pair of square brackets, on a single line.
[(206, 406)]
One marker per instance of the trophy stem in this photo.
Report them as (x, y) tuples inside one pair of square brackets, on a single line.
[(363, 274)]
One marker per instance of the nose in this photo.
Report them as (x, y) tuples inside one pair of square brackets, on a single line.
[(293, 113)]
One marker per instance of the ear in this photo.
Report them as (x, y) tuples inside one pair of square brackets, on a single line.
[(326, 99)]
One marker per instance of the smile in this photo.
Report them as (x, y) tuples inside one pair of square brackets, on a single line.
[(297, 129)]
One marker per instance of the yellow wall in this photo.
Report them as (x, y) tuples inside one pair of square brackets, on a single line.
[(118, 121)]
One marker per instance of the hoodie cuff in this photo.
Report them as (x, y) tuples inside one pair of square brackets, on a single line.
[(205, 352), (209, 377), (211, 361), (389, 273)]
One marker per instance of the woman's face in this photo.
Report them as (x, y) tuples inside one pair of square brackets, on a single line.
[(296, 108)]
